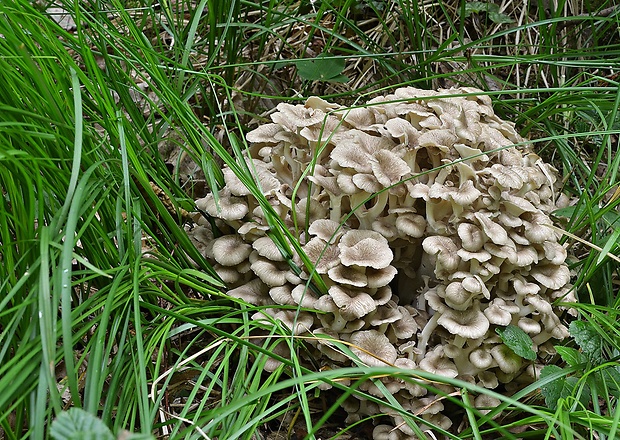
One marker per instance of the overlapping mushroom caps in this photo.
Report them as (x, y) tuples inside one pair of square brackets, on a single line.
[(428, 226)]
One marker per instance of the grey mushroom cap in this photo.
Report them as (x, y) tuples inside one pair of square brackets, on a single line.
[(353, 304), (444, 249), (373, 348), (268, 249), (469, 324), (228, 207), (324, 256), (269, 272), (507, 360), (230, 250), (369, 252), (254, 292), (435, 362)]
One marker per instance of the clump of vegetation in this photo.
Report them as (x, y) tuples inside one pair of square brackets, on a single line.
[(117, 115)]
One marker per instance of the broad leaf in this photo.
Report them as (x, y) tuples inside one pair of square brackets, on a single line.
[(77, 424), (322, 69), (589, 340), (518, 341), (561, 388), (491, 9), (571, 356)]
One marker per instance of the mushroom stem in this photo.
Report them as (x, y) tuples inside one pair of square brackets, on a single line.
[(339, 322), (367, 216), (335, 210), (428, 330)]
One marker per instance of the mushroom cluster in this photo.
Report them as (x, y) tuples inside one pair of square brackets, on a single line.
[(427, 218)]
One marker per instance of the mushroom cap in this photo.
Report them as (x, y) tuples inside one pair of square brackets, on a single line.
[(350, 155), (384, 315), (253, 292), (499, 312), (227, 208), (368, 252), (508, 177), (264, 134), (388, 168), (411, 225), (435, 362), (297, 115), (230, 275), (269, 272), (353, 304), (380, 277), (326, 229), (457, 297), (466, 194), (303, 296), (385, 432), (268, 249), (486, 402), (554, 252), (406, 326), (523, 288), (324, 256), (282, 295), (507, 360), (354, 236), (298, 322), (471, 236), (494, 231), (320, 104), (444, 249), (481, 358), (488, 379), (373, 348), (529, 326), (551, 276), (230, 250), (382, 296), (352, 276), (469, 324)]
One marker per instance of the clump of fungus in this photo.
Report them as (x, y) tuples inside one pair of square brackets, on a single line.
[(427, 225)]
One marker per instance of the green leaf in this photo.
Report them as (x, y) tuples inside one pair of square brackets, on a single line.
[(611, 378), (491, 9), (571, 356), (518, 341), (500, 18), (77, 424), (588, 339), (554, 390), (322, 68)]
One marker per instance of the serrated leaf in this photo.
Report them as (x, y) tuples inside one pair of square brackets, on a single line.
[(77, 424), (518, 341), (571, 356), (491, 9), (588, 339), (556, 389), (477, 7), (322, 69), (499, 18)]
